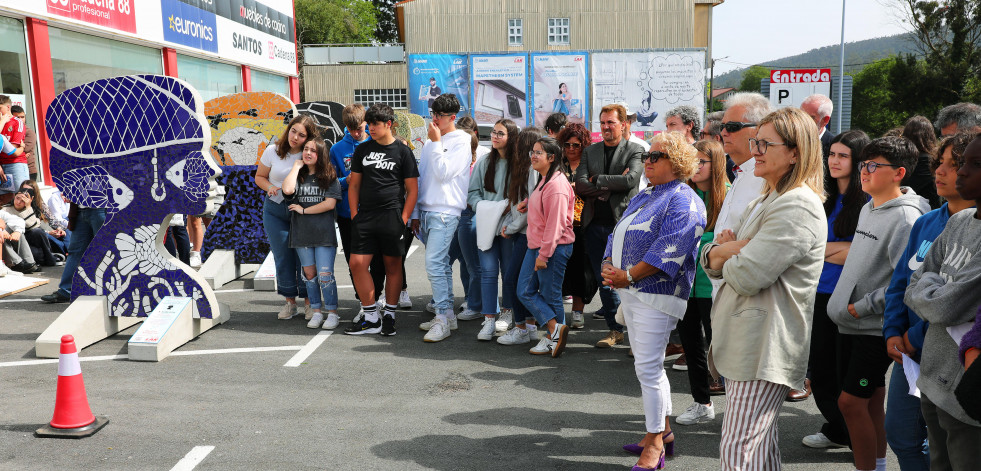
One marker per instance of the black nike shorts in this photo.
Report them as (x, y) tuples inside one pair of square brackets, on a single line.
[(378, 231)]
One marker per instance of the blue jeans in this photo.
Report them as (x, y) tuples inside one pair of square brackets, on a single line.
[(437, 231), (541, 291), (323, 259), (60, 245), (467, 237), (276, 223), (492, 264), (15, 174), (519, 245), (89, 221), (596, 237), (906, 430)]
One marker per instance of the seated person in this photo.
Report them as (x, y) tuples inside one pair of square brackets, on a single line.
[(16, 251)]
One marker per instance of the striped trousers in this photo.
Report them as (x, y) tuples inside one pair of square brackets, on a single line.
[(749, 429)]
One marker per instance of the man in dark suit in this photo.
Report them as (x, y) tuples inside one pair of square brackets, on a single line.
[(819, 108), (606, 183)]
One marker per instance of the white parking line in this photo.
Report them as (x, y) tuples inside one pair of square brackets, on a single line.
[(308, 349), (192, 458), (30, 300), (184, 353), (412, 248)]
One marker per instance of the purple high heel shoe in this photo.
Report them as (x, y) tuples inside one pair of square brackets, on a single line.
[(660, 465), (636, 449)]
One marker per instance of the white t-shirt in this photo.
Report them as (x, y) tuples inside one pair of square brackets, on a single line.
[(278, 168), (745, 188), (647, 148)]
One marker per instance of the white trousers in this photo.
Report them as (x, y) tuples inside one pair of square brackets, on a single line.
[(649, 330), (749, 429)]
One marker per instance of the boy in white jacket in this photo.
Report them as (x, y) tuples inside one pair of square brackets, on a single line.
[(444, 176)]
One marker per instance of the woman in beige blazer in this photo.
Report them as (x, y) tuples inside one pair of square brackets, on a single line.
[(761, 318)]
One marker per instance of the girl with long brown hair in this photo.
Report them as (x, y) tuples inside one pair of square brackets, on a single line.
[(274, 165), (312, 191), (710, 184)]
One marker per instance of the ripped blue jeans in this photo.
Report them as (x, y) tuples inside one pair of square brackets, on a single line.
[(322, 258)]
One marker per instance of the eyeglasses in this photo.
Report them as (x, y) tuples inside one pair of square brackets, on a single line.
[(761, 146), (871, 166), (704, 135), (440, 115), (653, 156), (701, 163), (498, 134), (736, 126), (572, 145), (533, 153)]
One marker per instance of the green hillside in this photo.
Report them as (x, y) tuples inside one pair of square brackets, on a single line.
[(857, 55)]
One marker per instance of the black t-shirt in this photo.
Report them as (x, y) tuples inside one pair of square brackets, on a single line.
[(602, 211), (383, 172), (313, 230)]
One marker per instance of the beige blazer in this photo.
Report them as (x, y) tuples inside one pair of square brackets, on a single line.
[(762, 315)]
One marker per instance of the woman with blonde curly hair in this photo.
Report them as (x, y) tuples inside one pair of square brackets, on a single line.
[(771, 266), (650, 261)]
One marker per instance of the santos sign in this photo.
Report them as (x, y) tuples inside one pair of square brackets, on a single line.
[(791, 87)]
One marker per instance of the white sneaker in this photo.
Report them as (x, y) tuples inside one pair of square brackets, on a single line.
[(307, 312), (696, 414), (578, 321), (504, 321), (567, 300), (463, 307), (515, 336), (450, 321), (468, 315), (195, 259), (544, 347), (486, 330), (332, 321), (316, 320), (438, 331), (287, 312), (431, 306), (819, 440), (404, 301)]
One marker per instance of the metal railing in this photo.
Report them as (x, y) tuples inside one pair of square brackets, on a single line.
[(321, 54)]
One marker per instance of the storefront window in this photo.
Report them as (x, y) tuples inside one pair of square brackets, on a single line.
[(266, 82), (78, 59), (211, 79), (15, 79)]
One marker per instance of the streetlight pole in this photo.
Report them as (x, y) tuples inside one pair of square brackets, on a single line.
[(841, 70), (712, 79)]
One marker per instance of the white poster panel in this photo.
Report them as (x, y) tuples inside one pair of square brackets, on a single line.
[(559, 86), (791, 87), (650, 83), (500, 88)]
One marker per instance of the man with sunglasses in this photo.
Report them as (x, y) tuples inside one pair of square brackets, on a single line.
[(606, 183), (739, 122)]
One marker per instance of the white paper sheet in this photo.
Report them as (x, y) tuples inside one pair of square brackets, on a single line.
[(957, 332), (912, 370)]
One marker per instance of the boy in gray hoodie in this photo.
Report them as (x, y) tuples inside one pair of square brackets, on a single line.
[(945, 292), (858, 301)]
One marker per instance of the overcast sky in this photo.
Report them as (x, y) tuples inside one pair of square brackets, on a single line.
[(753, 31)]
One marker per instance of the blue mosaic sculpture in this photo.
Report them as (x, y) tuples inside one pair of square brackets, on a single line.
[(136, 146)]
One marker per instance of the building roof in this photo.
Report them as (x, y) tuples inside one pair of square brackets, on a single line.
[(721, 91)]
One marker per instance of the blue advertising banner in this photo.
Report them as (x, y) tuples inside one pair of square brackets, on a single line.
[(500, 88), (559, 85), (189, 25), (431, 75)]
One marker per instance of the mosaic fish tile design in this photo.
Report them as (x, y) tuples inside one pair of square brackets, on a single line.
[(135, 146)]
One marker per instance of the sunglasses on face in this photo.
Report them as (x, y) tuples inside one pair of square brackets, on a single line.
[(736, 126), (572, 145), (653, 156), (871, 167)]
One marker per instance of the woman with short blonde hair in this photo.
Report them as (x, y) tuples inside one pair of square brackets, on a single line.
[(770, 268), (650, 261)]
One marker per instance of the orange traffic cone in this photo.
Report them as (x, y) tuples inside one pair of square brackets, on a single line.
[(72, 416)]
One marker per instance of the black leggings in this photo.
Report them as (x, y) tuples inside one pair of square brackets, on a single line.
[(697, 317), (823, 363)]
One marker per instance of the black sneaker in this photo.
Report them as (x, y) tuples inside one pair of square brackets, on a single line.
[(388, 325), (55, 297), (24, 267), (364, 327)]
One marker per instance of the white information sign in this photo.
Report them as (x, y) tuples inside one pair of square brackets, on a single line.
[(791, 87), (160, 320)]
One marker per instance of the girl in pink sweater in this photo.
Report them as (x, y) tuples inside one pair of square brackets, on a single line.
[(550, 237)]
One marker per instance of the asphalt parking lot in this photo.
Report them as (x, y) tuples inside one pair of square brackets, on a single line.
[(231, 399)]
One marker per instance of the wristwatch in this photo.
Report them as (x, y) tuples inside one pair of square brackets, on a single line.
[(630, 279)]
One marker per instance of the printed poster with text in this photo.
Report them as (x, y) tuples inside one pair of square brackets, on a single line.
[(500, 88), (559, 86), (651, 83), (431, 75)]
